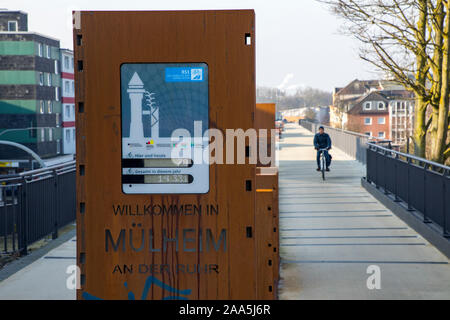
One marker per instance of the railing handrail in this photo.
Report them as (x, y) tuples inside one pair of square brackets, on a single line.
[(64, 165), (410, 156), (346, 131)]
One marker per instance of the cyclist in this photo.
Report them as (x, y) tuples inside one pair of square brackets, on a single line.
[(322, 141)]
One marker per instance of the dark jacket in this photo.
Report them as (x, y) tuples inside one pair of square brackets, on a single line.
[(322, 141)]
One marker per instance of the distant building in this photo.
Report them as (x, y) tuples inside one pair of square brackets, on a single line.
[(379, 108), (370, 115), (29, 89), (323, 114), (345, 98), (68, 101), (401, 115)]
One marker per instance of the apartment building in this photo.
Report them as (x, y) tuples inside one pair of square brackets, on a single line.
[(68, 101), (30, 97), (379, 108)]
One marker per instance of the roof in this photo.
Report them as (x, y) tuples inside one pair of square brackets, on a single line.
[(396, 94), (3, 10), (29, 33), (359, 87), (371, 96)]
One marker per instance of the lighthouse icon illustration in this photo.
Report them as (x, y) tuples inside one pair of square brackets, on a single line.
[(138, 95)]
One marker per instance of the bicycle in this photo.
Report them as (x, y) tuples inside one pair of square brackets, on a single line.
[(323, 162)]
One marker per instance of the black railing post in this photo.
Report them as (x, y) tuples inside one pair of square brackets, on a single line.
[(5, 213), (408, 188), (15, 204), (446, 234), (396, 159), (385, 172), (367, 167), (425, 218), (55, 204), (375, 152), (24, 219)]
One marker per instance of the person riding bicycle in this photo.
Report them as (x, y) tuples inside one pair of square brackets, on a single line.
[(322, 141)]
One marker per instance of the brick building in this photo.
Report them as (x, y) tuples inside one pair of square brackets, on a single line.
[(29, 88), (380, 108), (370, 115), (68, 101)]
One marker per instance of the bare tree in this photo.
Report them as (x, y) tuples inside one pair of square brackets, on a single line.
[(304, 97), (408, 40), (310, 114)]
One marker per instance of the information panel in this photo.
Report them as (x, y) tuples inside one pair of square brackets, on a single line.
[(165, 113), (155, 220)]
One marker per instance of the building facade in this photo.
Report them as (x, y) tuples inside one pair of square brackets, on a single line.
[(379, 108), (30, 98), (401, 117), (68, 101), (370, 116)]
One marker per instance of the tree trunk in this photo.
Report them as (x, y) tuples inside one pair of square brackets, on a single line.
[(420, 130), (419, 127), (440, 128)]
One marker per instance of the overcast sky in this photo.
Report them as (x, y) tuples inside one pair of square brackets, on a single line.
[(297, 41)]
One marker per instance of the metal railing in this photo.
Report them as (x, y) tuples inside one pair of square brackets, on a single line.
[(352, 143), (424, 186), (35, 204)]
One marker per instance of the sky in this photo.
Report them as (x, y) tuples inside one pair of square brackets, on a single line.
[(297, 41)]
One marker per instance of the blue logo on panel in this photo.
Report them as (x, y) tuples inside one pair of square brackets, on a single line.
[(177, 294), (182, 74)]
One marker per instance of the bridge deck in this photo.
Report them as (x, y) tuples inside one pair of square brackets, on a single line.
[(332, 230)]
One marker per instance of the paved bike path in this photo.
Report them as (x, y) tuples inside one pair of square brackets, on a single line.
[(332, 231)]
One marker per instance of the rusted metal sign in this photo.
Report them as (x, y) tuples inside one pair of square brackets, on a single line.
[(147, 229)]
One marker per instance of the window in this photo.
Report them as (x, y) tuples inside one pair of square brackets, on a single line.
[(49, 106), (56, 66), (367, 105), (32, 131), (50, 134), (66, 62), (68, 135), (68, 111), (381, 105), (49, 52), (42, 134), (58, 146), (57, 117), (71, 63), (41, 107), (41, 78), (49, 79), (56, 93), (12, 26), (66, 86), (73, 109), (73, 86), (40, 49), (73, 135), (381, 134), (368, 133), (368, 121), (381, 120)]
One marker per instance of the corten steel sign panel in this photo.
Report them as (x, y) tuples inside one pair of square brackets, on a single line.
[(193, 245), (265, 119)]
